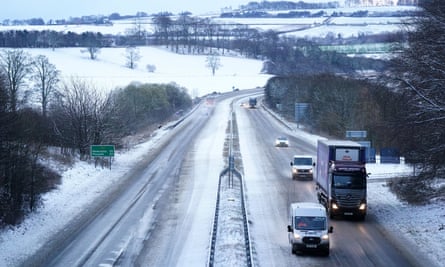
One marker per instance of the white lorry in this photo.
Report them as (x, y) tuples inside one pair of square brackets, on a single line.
[(341, 178), (308, 229), (302, 167)]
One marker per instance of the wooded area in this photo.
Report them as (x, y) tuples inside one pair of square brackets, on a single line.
[(72, 116)]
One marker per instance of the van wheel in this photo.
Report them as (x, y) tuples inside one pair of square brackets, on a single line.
[(294, 249)]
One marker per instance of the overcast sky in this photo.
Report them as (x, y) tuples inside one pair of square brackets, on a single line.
[(63, 9)]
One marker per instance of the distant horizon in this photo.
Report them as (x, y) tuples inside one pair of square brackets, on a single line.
[(63, 10), (56, 9)]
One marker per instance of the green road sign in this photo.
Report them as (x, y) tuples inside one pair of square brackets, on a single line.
[(102, 151)]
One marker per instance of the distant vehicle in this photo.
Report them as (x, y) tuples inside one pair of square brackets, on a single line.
[(252, 102), (302, 167), (308, 228), (341, 178), (282, 141)]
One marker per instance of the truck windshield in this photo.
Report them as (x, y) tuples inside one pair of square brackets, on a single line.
[(310, 223), (302, 161), (349, 181)]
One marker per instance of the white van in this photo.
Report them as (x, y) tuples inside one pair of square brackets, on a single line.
[(308, 229), (302, 167)]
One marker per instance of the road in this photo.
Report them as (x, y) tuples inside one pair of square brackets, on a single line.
[(270, 191), (162, 214), (116, 232)]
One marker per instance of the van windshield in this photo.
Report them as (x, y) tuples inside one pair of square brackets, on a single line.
[(302, 161), (310, 223)]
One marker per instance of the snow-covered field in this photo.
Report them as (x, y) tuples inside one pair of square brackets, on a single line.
[(189, 71), (344, 26)]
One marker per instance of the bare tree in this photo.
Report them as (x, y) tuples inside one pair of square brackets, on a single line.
[(138, 31), (163, 24), (46, 77), (92, 50), (132, 55), (81, 116), (15, 64), (184, 23), (213, 62), (419, 75), (93, 44)]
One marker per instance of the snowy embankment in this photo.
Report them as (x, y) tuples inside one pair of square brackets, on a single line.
[(81, 185)]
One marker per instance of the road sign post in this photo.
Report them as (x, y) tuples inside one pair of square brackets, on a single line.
[(100, 151), (300, 112)]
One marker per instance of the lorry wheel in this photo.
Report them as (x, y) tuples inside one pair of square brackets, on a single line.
[(326, 252), (361, 217)]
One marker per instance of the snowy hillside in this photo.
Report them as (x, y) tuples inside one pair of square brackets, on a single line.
[(109, 71)]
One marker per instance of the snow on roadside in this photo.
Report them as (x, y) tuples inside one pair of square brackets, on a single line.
[(423, 226)]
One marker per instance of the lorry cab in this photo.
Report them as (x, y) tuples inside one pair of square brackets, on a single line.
[(302, 167), (348, 191), (308, 228)]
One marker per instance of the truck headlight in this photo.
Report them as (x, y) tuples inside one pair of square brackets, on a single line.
[(334, 206), (325, 237), (362, 206), (297, 236)]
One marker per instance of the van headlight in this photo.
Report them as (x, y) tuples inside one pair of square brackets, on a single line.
[(325, 237), (362, 206), (334, 206), (297, 236)]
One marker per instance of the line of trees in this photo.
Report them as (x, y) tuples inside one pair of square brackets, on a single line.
[(194, 35), (283, 55), (52, 39), (336, 104), (70, 116)]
